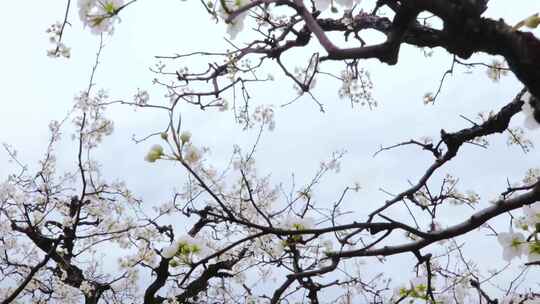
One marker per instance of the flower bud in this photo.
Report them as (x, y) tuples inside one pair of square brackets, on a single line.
[(532, 22), (154, 154), (185, 137)]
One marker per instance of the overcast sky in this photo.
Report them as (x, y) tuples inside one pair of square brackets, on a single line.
[(37, 89)]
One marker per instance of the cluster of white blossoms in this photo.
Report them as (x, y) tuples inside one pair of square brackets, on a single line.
[(92, 118), (236, 24), (184, 249), (515, 244), (417, 288), (191, 154), (357, 87), (531, 109), (445, 290), (518, 137), (188, 153), (334, 163), (99, 15), (297, 223), (263, 115), (306, 76), (141, 97), (496, 70), (59, 49), (226, 8)]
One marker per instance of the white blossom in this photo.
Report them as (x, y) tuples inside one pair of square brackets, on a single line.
[(170, 251), (298, 223), (154, 154), (496, 70), (236, 25), (99, 15), (59, 49), (531, 176), (461, 292), (185, 136), (185, 246), (513, 244), (141, 97), (192, 154), (532, 214)]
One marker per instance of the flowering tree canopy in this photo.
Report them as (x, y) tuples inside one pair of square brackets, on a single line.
[(231, 234)]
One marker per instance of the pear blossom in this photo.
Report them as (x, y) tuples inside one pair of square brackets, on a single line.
[(242, 253), (192, 155), (297, 223), (59, 49), (6, 190), (532, 21), (417, 289), (531, 176), (185, 137), (111, 6), (521, 223), (141, 97), (99, 15), (224, 106), (496, 70), (236, 25), (185, 247), (154, 154), (170, 251), (461, 292), (84, 7), (419, 282), (532, 214), (513, 244), (400, 291)]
